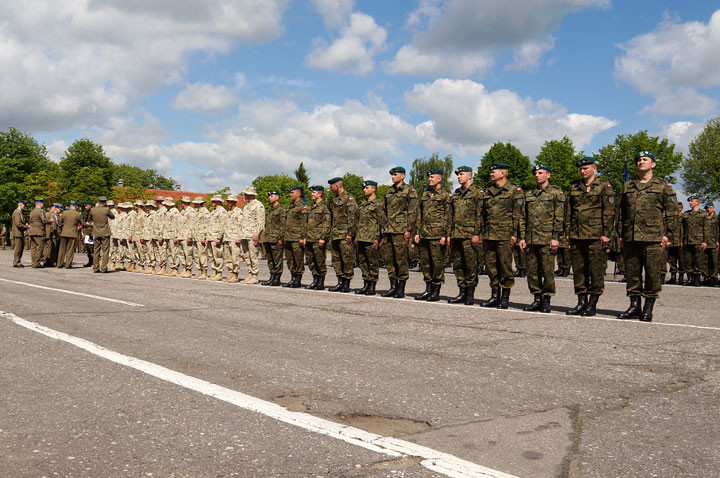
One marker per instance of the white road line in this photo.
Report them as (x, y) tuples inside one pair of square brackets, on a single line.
[(434, 460), (72, 292)]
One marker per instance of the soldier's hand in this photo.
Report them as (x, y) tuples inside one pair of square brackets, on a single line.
[(522, 244), (376, 243), (348, 239), (321, 243), (217, 242), (475, 241), (704, 245), (407, 236), (664, 243), (189, 241), (256, 240), (280, 243), (417, 238), (513, 240), (302, 242), (175, 240), (442, 241), (237, 243), (554, 244)]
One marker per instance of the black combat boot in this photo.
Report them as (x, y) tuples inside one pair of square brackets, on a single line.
[(268, 281), (426, 294), (647, 312), (293, 277), (632, 312), (696, 280), (400, 291), (545, 305), (460, 298), (470, 296), (590, 308), (371, 287), (481, 270), (536, 304), (364, 287), (566, 272), (393, 289), (276, 280), (314, 283), (673, 279), (559, 271), (320, 283), (504, 299), (298, 281), (494, 299), (582, 302), (345, 286), (435, 294), (338, 286)]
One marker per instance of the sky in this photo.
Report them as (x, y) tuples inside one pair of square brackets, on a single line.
[(217, 92)]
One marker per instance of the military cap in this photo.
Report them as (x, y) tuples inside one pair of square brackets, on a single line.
[(57, 205), (102, 199), (150, 203), (317, 187), (231, 198), (250, 191), (546, 167), (435, 171), (198, 200), (185, 199), (39, 200), (110, 202), (690, 198), (334, 180), (708, 204), (463, 169), (584, 161), (216, 198), (273, 191), (126, 205), (73, 203), (644, 154), (160, 199), (680, 203), (139, 203), (168, 202), (495, 166), (397, 169), (88, 202), (370, 183), (22, 201), (295, 187)]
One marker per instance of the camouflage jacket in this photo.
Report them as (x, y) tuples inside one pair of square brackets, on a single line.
[(371, 221), (502, 212), (295, 218), (253, 220), (434, 214), (158, 222), (187, 223), (170, 223), (695, 225), (344, 213), (148, 225), (466, 212), (274, 224), (401, 209), (711, 236), (231, 230), (216, 224), (589, 210), (648, 211), (317, 224), (200, 225), (544, 212)]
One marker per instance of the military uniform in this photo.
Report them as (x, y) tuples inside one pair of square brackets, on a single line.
[(466, 207), (160, 246), (251, 226), (371, 221), (272, 238), (69, 222), (186, 224), (231, 240), (114, 250), (434, 223), (215, 228), (101, 235), (119, 230), (295, 219), (695, 232), (317, 228), (401, 212), (200, 244), (711, 252), (38, 220), (171, 237), (148, 237), (52, 238), (18, 236), (138, 243), (344, 224)]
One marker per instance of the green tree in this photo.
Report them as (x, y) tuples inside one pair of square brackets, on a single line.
[(560, 155), (281, 182), (701, 172), (381, 190), (301, 176), (613, 159), (136, 177), (520, 171), (420, 167), (86, 171), (354, 185)]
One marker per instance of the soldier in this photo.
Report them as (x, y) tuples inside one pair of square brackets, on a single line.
[(695, 231), (647, 214), (295, 219), (70, 222), (544, 212), (18, 233), (186, 224), (114, 241), (674, 251), (170, 236), (37, 222), (52, 236), (432, 235), (711, 252), (120, 231), (128, 248), (272, 237), (344, 227), (371, 222), (88, 243), (251, 226), (200, 243), (401, 211), (148, 237), (589, 215), (502, 226), (160, 245), (100, 215), (317, 235), (214, 236), (231, 239), (136, 242), (466, 206)]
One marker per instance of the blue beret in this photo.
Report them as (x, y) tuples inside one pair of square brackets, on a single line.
[(273, 191), (499, 166), (645, 154), (39, 200), (584, 161), (397, 169), (370, 183), (680, 203), (22, 202), (317, 187), (435, 171), (295, 187), (546, 167), (463, 169), (334, 180)]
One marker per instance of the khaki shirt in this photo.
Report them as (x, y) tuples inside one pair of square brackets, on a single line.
[(101, 216), (18, 223), (188, 217), (148, 226), (253, 220), (200, 225), (216, 224), (544, 213), (170, 223), (648, 211), (231, 231), (37, 219), (69, 222), (590, 209)]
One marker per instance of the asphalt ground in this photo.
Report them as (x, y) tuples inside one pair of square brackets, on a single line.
[(180, 377)]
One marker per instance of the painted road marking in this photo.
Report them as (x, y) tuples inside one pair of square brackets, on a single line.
[(434, 460), (64, 291)]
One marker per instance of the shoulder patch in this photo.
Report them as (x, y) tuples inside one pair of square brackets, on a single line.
[(518, 189), (562, 193), (412, 190), (351, 198), (610, 185)]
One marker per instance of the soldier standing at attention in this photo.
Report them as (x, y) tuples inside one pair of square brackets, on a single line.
[(544, 213), (70, 222), (214, 237), (231, 239), (711, 252), (113, 254), (100, 215), (136, 241), (344, 227), (466, 206), (18, 233), (148, 237), (316, 237), (127, 233), (37, 222), (589, 215), (648, 215), (160, 246), (52, 236), (401, 211), (251, 226), (200, 243), (170, 236), (371, 221), (120, 231), (433, 234), (695, 225), (87, 234), (295, 218), (503, 224), (272, 237), (186, 222)]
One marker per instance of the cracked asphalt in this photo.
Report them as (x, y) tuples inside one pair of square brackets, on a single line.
[(528, 394)]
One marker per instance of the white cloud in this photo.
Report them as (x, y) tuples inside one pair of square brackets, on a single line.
[(334, 12), (409, 60), (673, 64), (682, 133), (204, 97), (528, 56), (56, 149)]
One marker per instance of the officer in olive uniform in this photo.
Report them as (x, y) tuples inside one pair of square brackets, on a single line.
[(316, 237), (401, 210), (295, 219), (433, 234), (544, 213), (344, 227), (466, 207), (589, 217), (70, 222), (272, 237), (88, 243), (502, 226), (695, 231), (52, 236), (18, 233), (711, 252), (648, 215), (37, 221), (371, 221), (101, 215)]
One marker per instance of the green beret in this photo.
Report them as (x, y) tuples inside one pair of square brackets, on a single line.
[(295, 187), (644, 154), (690, 198), (584, 161), (370, 183), (317, 187), (680, 203), (546, 167), (273, 191), (494, 166), (397, 169), (334, 180), (708, 204), (463, 169), (435, 171)]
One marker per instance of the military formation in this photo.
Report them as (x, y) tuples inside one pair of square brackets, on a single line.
[(476, 230)]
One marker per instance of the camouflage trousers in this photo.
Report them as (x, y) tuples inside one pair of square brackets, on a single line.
[(66, 251), (249, 254), (185, 256), (589, 262), (343, 257), (315, 258), (673, 256), (369, 260), (563, 257), (519, 257), (216, 256), (540, 269), (644, 257), (481, 254), (232, 256), (397, 259), (114, 250), (465, 261), (432, 260), (694, 258), (152, 254), (498, 261), (200, 254), (141, 252), (161, 253), (294, 257), (274, 255), (711, 261), (37, 243)]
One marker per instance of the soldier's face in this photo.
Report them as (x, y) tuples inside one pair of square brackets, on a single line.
[(434, 180), (645, 164), (497, 174), (464, 176), (295, 195), (710, 209), (316, 195), (541, 176), (680, 207), (588, 171), (232, 204), (397, 177), (368, 190), (273, 198), (694, 203)]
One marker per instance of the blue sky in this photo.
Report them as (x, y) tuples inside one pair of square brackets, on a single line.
[(217, 92)]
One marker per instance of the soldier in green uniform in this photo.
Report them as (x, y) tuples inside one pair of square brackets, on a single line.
[(647, 214), (69, 222), (371, 221), (544, 213), (18, 233), (316, 237), (466, 207), (502, 226), (101, 215), (272, 237), (433, 234), (401, 211), (520, 259), (37, 223), (711, 252), (344, 227), (695, 225), (589, 217), (674, 254), (295, 218)]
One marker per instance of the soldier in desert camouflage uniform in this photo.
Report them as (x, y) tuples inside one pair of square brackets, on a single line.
[(215, 229), (251, 227), (231, 239)]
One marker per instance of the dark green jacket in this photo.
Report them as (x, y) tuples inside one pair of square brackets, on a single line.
[(317, 226), (466, 207), (371, 221), (295, 219), (695, 224), (400, 209), (503, 212), (589, 210), (648, 211), (434, 214), (274, 224), (544, 213), (344, 216)]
